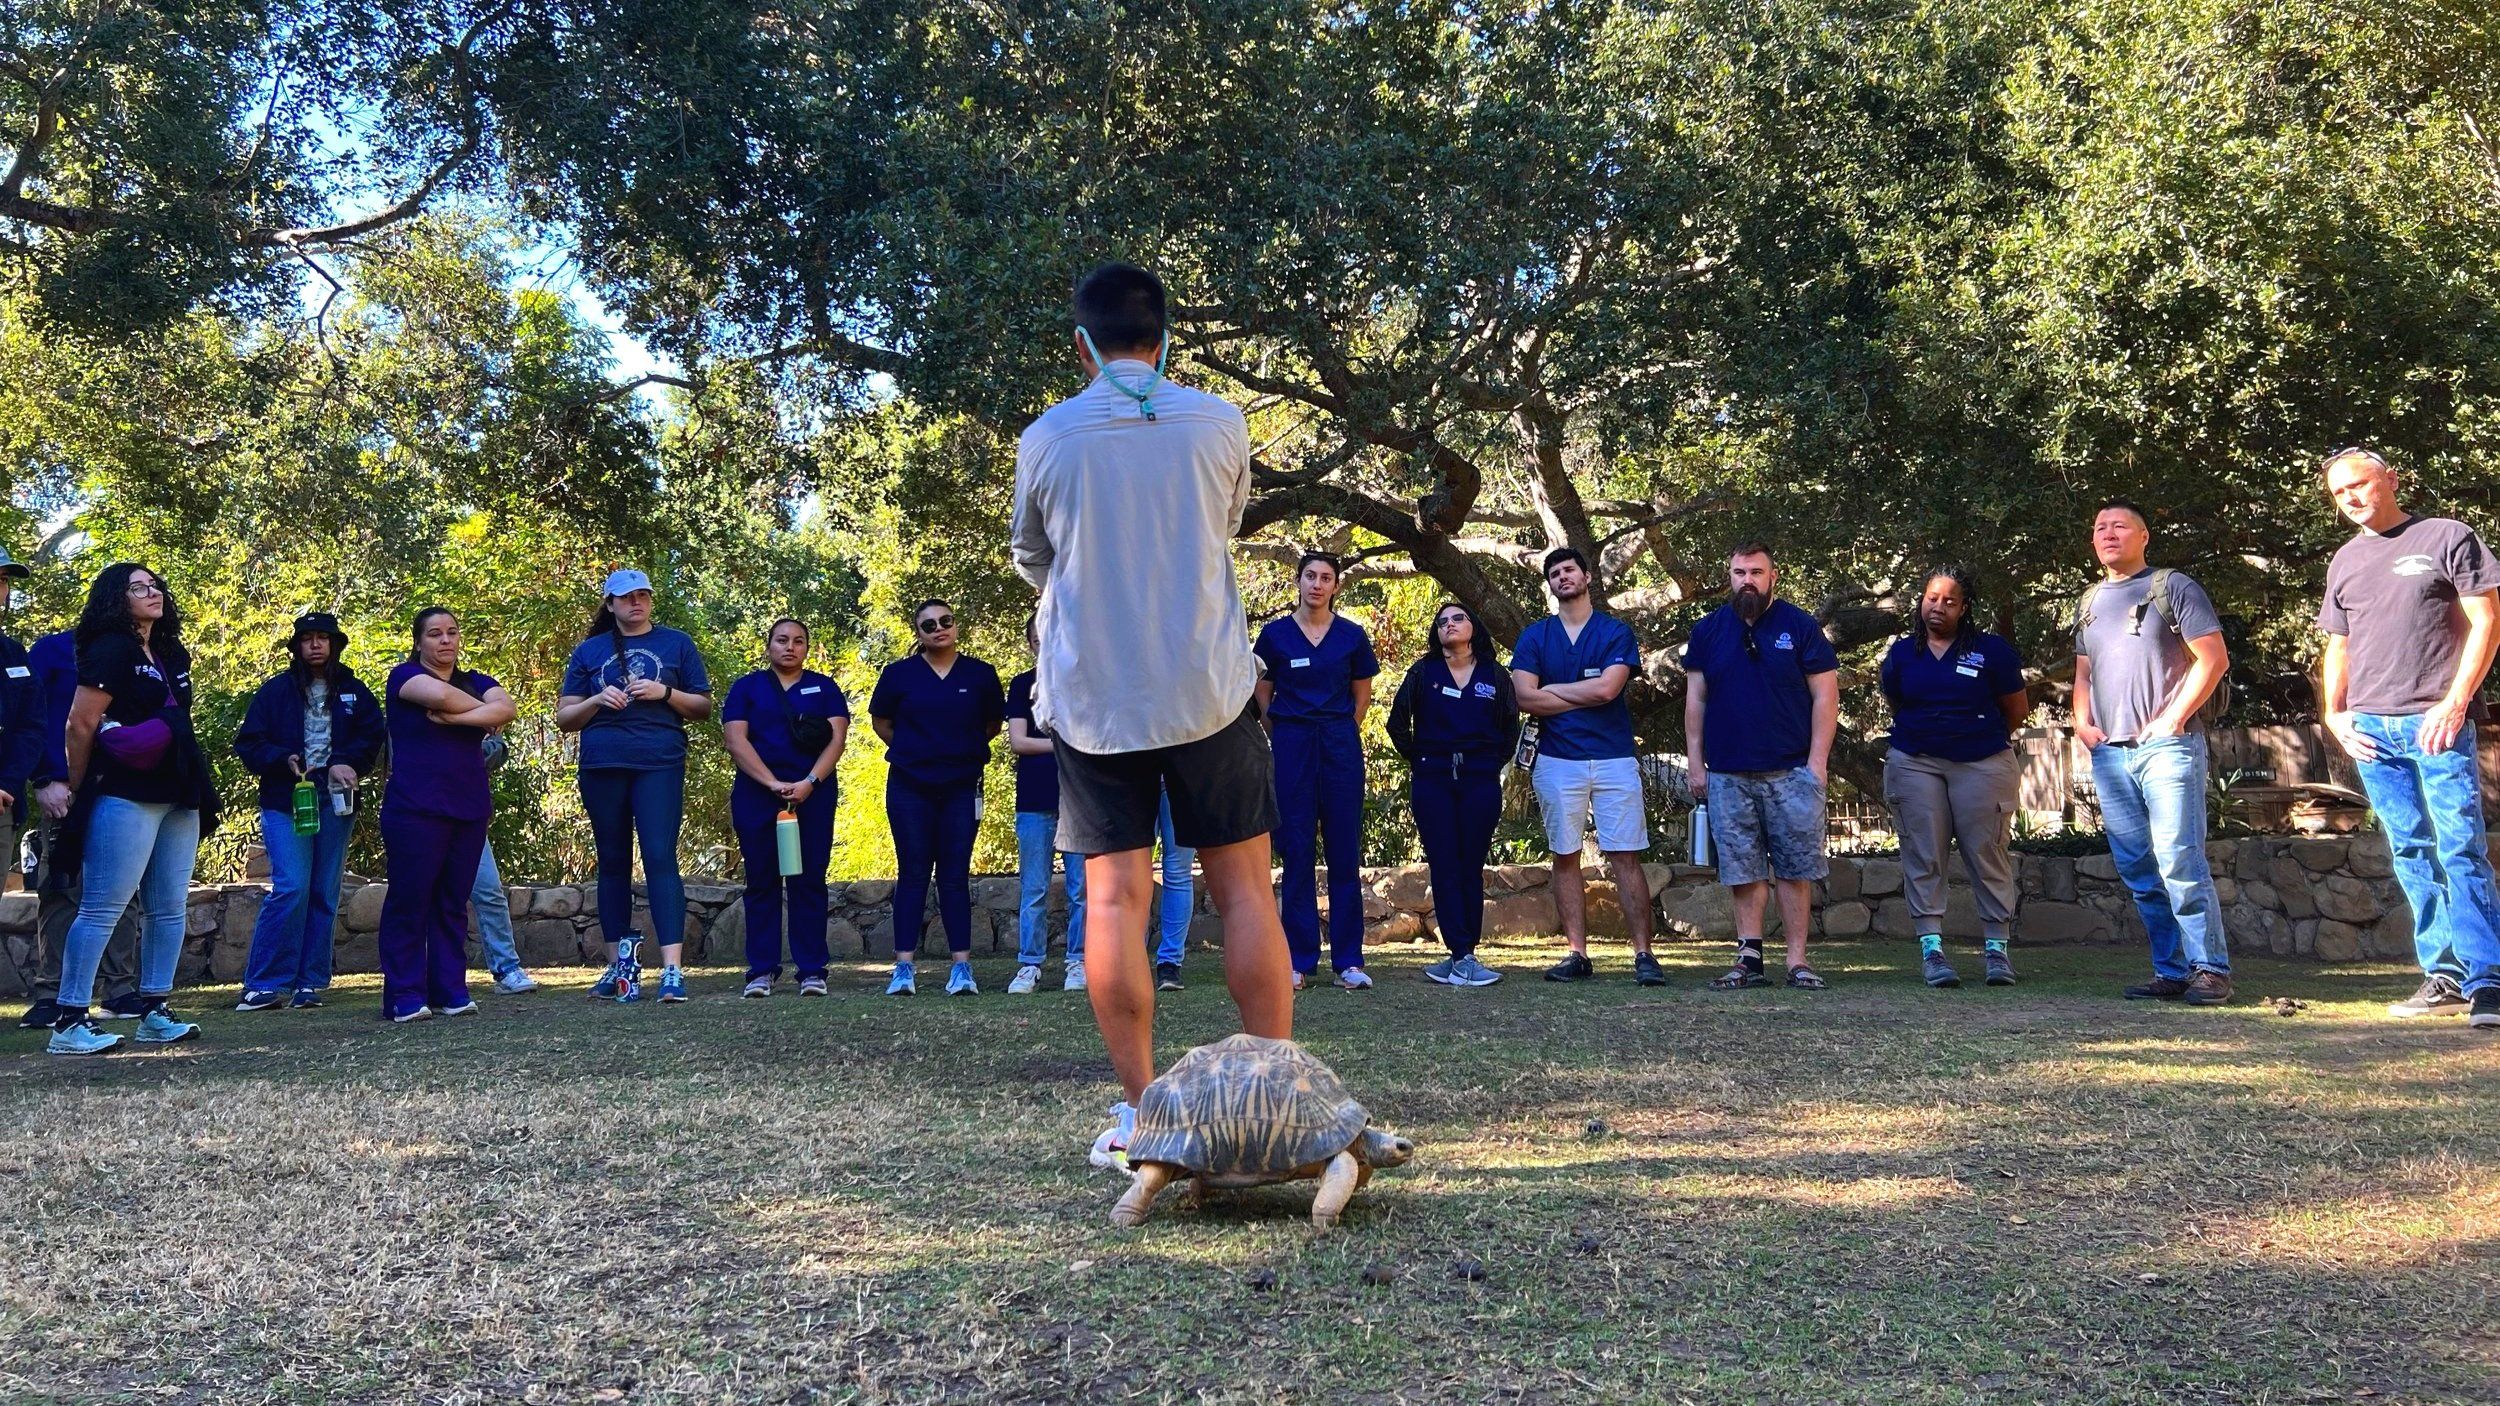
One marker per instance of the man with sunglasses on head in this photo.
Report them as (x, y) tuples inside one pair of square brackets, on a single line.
[(1761, 705), (2412, 617)]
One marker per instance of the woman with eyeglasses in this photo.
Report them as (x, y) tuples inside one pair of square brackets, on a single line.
[(936, 710), (145, 798), (434, 812), (1455, 719), (1317, 687), (630, 688), (785, 726)]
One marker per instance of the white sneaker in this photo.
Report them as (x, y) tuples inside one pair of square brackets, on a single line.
[(1075, 979), (758, 989), (1027, 978), (464, 1008), (1110, 1151), (1354, 979), (515, 982)]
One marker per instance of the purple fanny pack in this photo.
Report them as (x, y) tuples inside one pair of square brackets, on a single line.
[(137, 746)]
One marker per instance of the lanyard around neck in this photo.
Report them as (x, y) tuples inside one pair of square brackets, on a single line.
[(1139, 392)]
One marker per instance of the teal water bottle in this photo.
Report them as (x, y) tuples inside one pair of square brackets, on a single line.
[(307, 808), (786, 840)]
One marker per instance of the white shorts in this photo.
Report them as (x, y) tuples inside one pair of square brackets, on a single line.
[(1570, 793)]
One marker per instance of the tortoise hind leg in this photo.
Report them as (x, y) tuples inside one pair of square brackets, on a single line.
[(1336, 1187), (1150, 1179)]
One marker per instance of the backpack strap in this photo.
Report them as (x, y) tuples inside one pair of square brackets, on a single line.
[(2161, 599)]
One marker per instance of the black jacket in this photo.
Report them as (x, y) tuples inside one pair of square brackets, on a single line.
[(273, 730), (1426, 725), (21, 719)]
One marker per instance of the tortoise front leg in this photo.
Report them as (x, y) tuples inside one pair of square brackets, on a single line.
[(1336, 1187), (1144, 1187)]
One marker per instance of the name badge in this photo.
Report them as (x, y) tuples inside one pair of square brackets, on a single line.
[(1454, 693), (1591, 673), (347, 700), (811, 688), (1966, 671), (1297, 663), (19, 671)]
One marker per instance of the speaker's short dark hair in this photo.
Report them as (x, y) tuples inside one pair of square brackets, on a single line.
[(1121, 307), (1560, 555), (1752, 547), (2125, 505)]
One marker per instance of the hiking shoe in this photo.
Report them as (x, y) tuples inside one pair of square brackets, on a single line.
[(305, 1001), (1467, 971), (902, 984), (758, 989), (1027, 978), (812, 986), (672, 986), (2160, 988), (959, 980), (412, 1015), (2486, 1012), (1167, 976), (1739, 978), (1072, 976), (2438, 995), (1110, 1151), (159, 1027), (261, 1001), (1354, 979), (42, 1015), (1937, 971), (1441, 972), (2208, 989), (129, 1006), (81, 1037), (1575, 966), (516, 982), (2000, 967), (1646, 971), (466, 1007)]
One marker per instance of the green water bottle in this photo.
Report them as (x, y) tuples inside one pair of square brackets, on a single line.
[(786, 840), (307, 808)]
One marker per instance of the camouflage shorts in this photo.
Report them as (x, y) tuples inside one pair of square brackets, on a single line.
[(1767, 824)]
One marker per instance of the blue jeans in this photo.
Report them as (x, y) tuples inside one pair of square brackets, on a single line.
[(494, 917), (2153, 809), (2432, 810), (133, 848), (626, 807), (1035, 833), (291, 941), (1180, 892)]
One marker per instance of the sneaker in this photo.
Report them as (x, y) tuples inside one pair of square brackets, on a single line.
[(1467, 971), (1441, 972), (1072, 977), (2000, 967), (812, 986), (902, 984), (959, 980), (604, 989), (2208, 989), (516, 982), (410, 1017), (1110, 1151), (1167, 976), (1297, 981), (2160, 988), (672, 987), (468, 1007), (42, 1015), (2486, 1012), (305, 1001), (758, 989), (2439, 995), (160, 1027), (1937, 971), (81, 1037), (1646, 971), (1027, 978), (1574, 966), (124, 1007), (1354, 979), (261, 1001)]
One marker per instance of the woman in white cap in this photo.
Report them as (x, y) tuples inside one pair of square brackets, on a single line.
[(629, 690)]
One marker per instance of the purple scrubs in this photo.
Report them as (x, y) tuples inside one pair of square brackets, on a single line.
[(434, 813)]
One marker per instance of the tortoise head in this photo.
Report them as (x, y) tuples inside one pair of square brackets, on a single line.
[(1378, 1147)]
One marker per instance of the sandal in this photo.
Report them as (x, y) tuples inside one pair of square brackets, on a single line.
[(1804, 979), (1737, 979)]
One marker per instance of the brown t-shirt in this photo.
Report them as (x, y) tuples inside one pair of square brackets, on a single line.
[(2394, 596)]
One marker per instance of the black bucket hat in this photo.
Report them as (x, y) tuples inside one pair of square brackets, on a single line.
[(319, 622)]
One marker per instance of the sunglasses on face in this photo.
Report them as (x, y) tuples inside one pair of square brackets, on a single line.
[(936, 623)]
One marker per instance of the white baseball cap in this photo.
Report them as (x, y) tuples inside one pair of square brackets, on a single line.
[(625, 581)]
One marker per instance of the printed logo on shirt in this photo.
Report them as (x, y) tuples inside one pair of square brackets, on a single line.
[(347, 702), (148, 671), (1784, 641), (1484, 690), (2414, 565), (639, 664)]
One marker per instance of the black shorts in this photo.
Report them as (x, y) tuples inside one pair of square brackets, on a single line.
[(1223, 791)]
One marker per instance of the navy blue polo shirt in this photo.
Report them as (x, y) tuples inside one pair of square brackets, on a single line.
[(1314, 683), (1547, 650), (759, 701), (1947, 708), (942, 726), (1037, 778), (1758, 713)]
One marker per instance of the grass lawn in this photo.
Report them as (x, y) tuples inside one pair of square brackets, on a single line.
[(1880, 1193)]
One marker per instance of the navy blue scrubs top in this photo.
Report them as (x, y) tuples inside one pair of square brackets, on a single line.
[(942, 726), (759, 701), (1947, 708), (1314, 683)]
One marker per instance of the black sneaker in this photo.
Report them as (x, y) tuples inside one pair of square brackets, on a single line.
[(2000, 967), (1936, 971), (1167, 976), (2486, 1013), (40, 1016), (305, 1001), (1646, 971), (2438, 995), (1573, 967), (129, 1007), (261, 1001)]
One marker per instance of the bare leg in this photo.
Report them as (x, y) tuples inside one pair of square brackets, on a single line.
[(1142, 1190), (1571, 902), (1119, 891), (1336, 1187), (673, 955), (1632, 891), (1796, 911), (1258, 968), (1749, 901)]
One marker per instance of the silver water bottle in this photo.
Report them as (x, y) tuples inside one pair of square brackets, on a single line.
[(1701, 834)]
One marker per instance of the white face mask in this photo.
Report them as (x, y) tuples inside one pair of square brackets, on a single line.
[(1138, 393)]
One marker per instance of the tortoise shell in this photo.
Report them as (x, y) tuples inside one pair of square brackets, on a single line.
[(1246, 1108)]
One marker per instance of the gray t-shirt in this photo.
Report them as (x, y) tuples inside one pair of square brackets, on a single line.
[(2138, 660), (316, 725), (2394, 597)]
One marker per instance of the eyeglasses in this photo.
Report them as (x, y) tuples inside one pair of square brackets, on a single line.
[(145, 588), (932, 626)]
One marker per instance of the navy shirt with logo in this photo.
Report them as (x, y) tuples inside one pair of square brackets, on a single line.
[(1947, 707), (1314, 683), (1437, 719), (646, 734), (1758, 711), (759, 701), (942, 726), (1037, 778), (1547, 650)]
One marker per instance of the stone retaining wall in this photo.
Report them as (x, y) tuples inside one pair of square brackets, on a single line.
[(2328, 899)]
